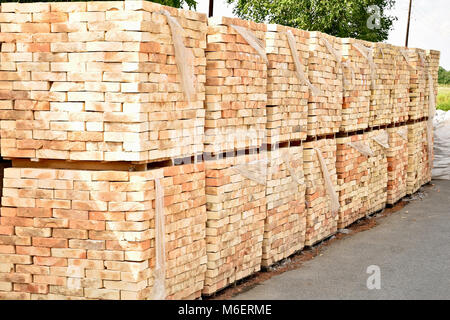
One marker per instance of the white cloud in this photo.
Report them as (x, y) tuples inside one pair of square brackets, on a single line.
[(430, 25)]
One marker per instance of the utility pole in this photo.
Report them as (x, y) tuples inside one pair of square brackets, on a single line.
[(211, 8), (407, 27)]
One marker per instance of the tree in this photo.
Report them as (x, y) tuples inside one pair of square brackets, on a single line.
[(342, 18), (443, 76), (192, 4)]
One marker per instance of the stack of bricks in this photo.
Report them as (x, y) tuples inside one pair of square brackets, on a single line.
[(433, 67), (353, 178), (325, 73), (321, 222), (378, 173), (95, 97), (98, 81), (236, 87), (382, 97), (356, 82), (425, 167), (418, 108), (79, 234), (415, 157), (285, 224), (287, 95), (93, 82), (400, 98), (397, 159), (236, 209)]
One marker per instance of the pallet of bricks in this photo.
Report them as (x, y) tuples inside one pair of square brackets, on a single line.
[(378, 170), (432, 59), (325, 74), (287, 84), (400, 95), (88, 229), (352, 168), (236, 88), (418, 93), (397, 159), (382, 97), (415, 156), (285, 224), (357, 77), (322, 202)]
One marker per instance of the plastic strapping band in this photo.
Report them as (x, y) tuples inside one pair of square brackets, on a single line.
[(253, 41), (368, 54), (330, 48), (255, 171), (159, 285), (405, 55), (382, 139), (184, 58), (403, 132), (298, 67), (361, 147), (334, 198), (382, 52), (347, 65), (339, 60)]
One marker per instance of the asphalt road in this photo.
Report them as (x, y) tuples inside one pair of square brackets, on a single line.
[(411, 248)]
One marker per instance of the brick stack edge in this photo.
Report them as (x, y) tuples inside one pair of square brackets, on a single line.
[(91, 107)]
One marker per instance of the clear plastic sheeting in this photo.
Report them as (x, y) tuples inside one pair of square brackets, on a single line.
[(337, 55), (405, 55), (423, 63), (334, 198), (382, 139), (159, 283), (363, 148), (441, 123), (184, 57), (368, 54), (255, 170), (298, 67), (403, 133), (253, 41), (346, 64)]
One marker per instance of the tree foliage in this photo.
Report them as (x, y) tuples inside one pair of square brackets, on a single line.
[(342, 18), (192, 4), (443, 76)]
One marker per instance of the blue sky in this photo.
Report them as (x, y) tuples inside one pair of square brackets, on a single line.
[(430, 24)]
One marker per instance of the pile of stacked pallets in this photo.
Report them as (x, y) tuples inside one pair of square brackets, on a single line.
[(150, 153)]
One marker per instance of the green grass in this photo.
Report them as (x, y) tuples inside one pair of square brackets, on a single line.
[(443, 98)]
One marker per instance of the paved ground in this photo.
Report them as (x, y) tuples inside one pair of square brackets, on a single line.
[(411, 248)]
